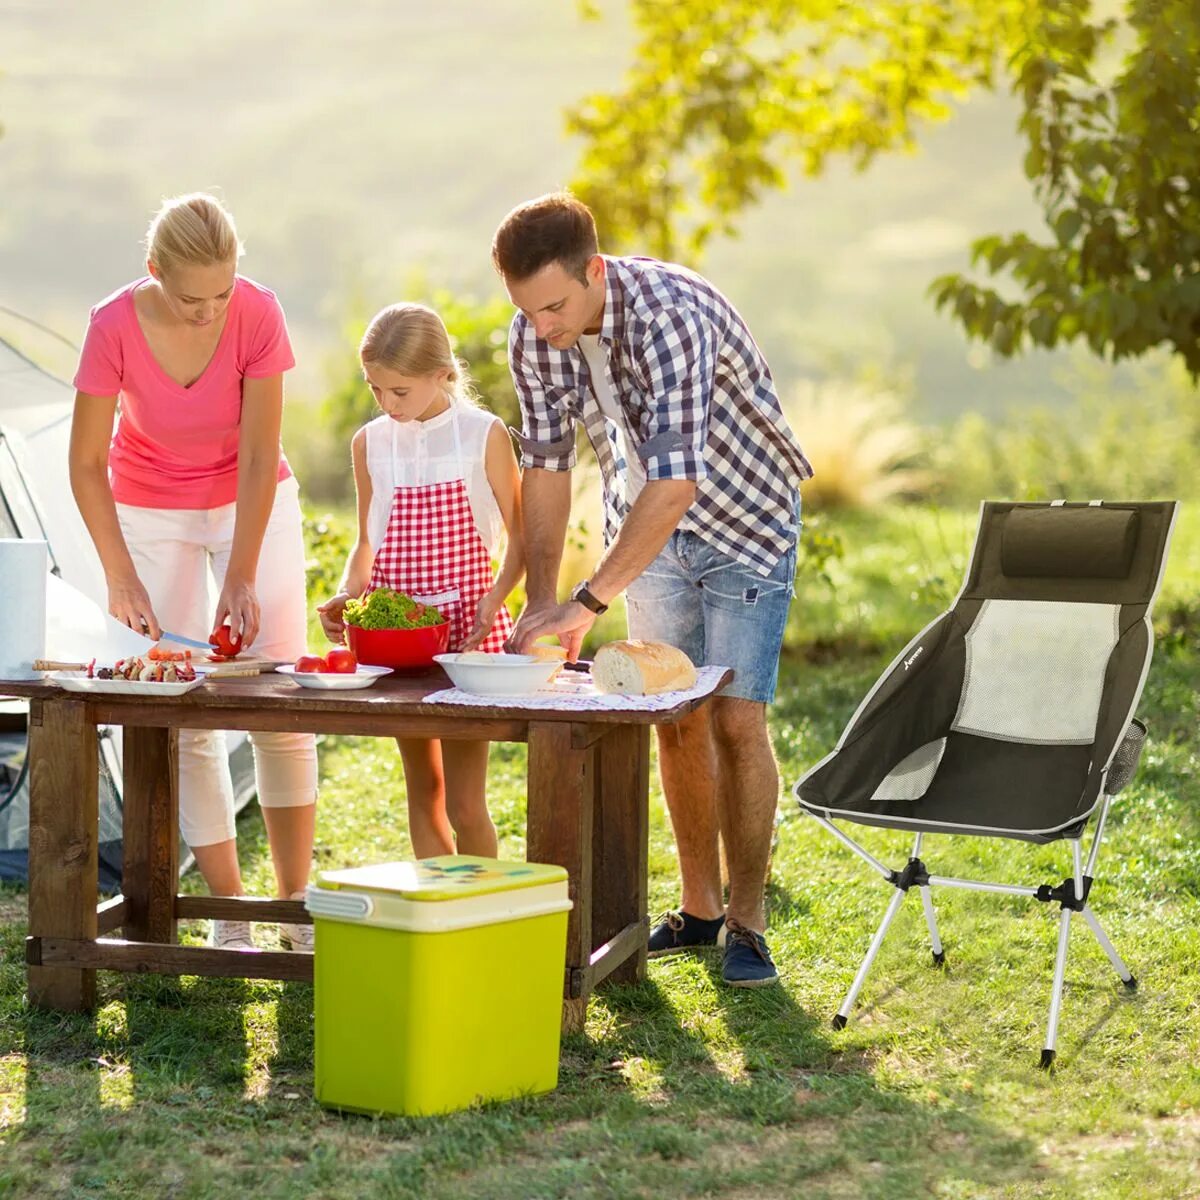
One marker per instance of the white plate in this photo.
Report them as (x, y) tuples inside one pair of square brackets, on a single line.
[(330, 681), (77, 681), (507, 675)]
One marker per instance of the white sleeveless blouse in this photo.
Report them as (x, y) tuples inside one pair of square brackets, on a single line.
[(412, 453)]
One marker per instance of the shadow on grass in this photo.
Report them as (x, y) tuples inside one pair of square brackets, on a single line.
[(740, 1075)]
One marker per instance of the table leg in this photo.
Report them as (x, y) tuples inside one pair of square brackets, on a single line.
[(620, 843), (150, 833), (63, 828), (559, 830)]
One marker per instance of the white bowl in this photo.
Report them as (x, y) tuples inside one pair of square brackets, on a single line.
[(333, 681), (498, 674)]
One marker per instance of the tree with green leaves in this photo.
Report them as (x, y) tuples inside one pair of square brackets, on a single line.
[(723, 100)]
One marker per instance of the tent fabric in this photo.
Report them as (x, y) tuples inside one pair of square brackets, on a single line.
[(36, 502)]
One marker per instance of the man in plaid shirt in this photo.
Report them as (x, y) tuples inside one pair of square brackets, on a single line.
[(701, 476)]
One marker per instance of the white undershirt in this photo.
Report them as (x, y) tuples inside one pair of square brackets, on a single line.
[(597, 361)]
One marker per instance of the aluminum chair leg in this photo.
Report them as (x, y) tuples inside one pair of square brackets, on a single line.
[(843, 1013), (939, 953), (1060, 970), (1113, 957)]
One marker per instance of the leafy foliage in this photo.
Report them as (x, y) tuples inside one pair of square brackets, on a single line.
[(722, 99), (1114, 167)]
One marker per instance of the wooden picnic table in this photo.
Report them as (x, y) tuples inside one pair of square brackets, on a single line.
[(588, 782)]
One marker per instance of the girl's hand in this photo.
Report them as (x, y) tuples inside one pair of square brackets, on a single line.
[(485, 618), (129, 602), (238, 608), (331, 613)]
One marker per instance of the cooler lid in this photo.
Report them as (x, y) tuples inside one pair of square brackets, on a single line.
[(447, 877)]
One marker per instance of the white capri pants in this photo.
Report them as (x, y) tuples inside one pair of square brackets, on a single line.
[(178, 554)]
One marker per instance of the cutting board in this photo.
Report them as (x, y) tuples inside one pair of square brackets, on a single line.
[(240, 667)]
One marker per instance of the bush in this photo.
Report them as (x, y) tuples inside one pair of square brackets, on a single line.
[(1137, 442), (864, 447)]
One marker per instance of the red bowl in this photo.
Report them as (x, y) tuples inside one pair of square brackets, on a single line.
[(401, 649)]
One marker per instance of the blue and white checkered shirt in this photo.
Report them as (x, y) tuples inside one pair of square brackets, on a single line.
[(698, 399)]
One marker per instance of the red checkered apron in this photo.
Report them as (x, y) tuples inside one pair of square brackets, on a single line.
[(432, 551)]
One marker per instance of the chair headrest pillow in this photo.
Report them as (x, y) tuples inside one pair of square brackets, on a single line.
[(1069, 543)]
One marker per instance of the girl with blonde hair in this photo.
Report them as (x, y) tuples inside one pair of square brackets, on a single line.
[(193, 481), (438, 492)]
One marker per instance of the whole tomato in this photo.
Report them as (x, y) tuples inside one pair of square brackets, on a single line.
[(309, 663), (224, 643), (341, 661)]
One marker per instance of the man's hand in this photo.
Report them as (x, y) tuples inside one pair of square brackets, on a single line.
[(570, 621)]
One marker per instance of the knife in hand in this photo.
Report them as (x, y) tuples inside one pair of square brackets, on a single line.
[(185, 641)]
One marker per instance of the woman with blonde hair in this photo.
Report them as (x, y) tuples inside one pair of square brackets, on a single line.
[(193, 481), (438, 492)]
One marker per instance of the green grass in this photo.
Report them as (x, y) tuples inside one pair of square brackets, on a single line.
[(678, 1087)]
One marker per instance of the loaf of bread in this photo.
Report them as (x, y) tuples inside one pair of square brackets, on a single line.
[(547, 653), (637, 668)]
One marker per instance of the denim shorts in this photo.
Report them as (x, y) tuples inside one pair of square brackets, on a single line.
[(717, 610)]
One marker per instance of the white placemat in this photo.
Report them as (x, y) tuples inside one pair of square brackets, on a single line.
[(574, 698)]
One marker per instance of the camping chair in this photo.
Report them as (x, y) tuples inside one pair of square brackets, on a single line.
[(1011, 715)]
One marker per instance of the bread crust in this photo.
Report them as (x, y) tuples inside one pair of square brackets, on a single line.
[(638, 668)]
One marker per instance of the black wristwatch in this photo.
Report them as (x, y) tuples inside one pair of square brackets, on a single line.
[(582, 594)]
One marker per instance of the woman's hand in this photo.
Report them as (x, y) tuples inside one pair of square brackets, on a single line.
[(238, 608), (129, 602), (485, 618), (332, 614)]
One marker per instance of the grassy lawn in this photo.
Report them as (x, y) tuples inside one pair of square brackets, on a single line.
[(678, 1087)]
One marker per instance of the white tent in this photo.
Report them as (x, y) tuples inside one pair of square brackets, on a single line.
[(36, 502)]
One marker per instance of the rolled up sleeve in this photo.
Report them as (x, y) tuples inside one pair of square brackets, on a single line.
[(675, 360), (547, 436)]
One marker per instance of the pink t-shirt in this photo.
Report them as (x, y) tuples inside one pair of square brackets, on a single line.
[(176, 446)]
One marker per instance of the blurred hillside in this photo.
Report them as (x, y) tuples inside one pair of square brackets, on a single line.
[(360, 144)]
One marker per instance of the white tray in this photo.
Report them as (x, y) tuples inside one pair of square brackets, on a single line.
[(331, 681), (77, 681)]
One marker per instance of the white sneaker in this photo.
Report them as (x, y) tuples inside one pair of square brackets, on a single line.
[(231, 935), (296, 937)]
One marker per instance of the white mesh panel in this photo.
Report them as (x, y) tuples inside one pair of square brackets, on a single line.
[(1035, 670), (910, 778)]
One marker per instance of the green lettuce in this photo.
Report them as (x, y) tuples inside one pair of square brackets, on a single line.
[(387, 609)]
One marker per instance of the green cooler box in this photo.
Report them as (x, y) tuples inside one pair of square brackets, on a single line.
[(437, 983)]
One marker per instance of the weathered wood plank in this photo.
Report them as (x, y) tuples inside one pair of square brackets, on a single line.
[(150, 873), (63, 816), (241, 908), (113, 954), (620, 843), (110, 915), (559, 830)]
